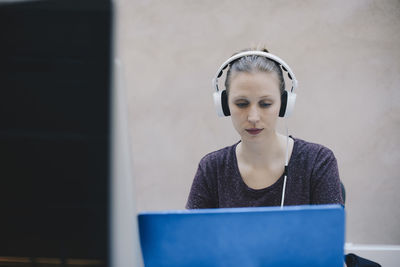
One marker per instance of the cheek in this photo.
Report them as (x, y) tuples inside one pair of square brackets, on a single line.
[(276, 108), (236, 122), (237, 116), (235, 111)]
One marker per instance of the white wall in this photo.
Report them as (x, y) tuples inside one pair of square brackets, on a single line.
[(345, 55)]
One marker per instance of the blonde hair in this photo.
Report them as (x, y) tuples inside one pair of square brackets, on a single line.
[(254, 63)]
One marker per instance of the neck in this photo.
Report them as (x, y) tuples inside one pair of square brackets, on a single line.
[(265, 152)]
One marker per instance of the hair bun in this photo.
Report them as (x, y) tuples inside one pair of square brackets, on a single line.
[(260, 47)]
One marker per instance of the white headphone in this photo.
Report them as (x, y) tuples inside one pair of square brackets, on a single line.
[(288, 97)]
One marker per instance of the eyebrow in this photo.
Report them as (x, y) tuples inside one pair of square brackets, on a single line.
[(245, 97), (265, 96)]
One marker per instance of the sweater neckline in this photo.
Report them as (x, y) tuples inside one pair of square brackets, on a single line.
[(277, 183)]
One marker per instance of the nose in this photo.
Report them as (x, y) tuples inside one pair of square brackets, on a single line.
[(254, 115)]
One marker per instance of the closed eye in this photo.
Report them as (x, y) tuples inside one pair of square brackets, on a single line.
[(242, 104), (264, 104)]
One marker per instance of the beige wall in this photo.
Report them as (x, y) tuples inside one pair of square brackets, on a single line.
[(345, 55)]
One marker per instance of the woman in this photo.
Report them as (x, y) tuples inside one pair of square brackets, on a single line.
[(252, 171)]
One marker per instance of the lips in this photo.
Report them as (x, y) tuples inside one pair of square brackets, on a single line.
[(254, 131)]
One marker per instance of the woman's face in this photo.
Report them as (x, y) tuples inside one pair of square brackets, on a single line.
[(254, 102)]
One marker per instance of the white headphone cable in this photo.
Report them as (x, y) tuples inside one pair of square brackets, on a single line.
[(286, 166)]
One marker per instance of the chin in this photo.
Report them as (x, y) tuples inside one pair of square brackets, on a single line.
[(253, 138)]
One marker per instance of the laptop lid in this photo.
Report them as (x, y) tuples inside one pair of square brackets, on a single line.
[(266, 236)]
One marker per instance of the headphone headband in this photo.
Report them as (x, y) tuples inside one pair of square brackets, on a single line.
[(256, 53)]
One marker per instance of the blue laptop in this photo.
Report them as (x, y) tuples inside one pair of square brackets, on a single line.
[(267, 236)]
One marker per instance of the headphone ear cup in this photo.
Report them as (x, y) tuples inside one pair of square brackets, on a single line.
[(224, 101), (288, 99), (284, 98), (221, 103)]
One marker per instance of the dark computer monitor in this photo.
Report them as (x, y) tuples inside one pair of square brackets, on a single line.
[(55, 103)]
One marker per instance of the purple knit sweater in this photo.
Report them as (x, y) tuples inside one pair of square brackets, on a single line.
[(313, 178)]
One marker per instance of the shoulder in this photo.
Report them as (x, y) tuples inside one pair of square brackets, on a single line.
[(217, 157), (314, 159), (309, 149)]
